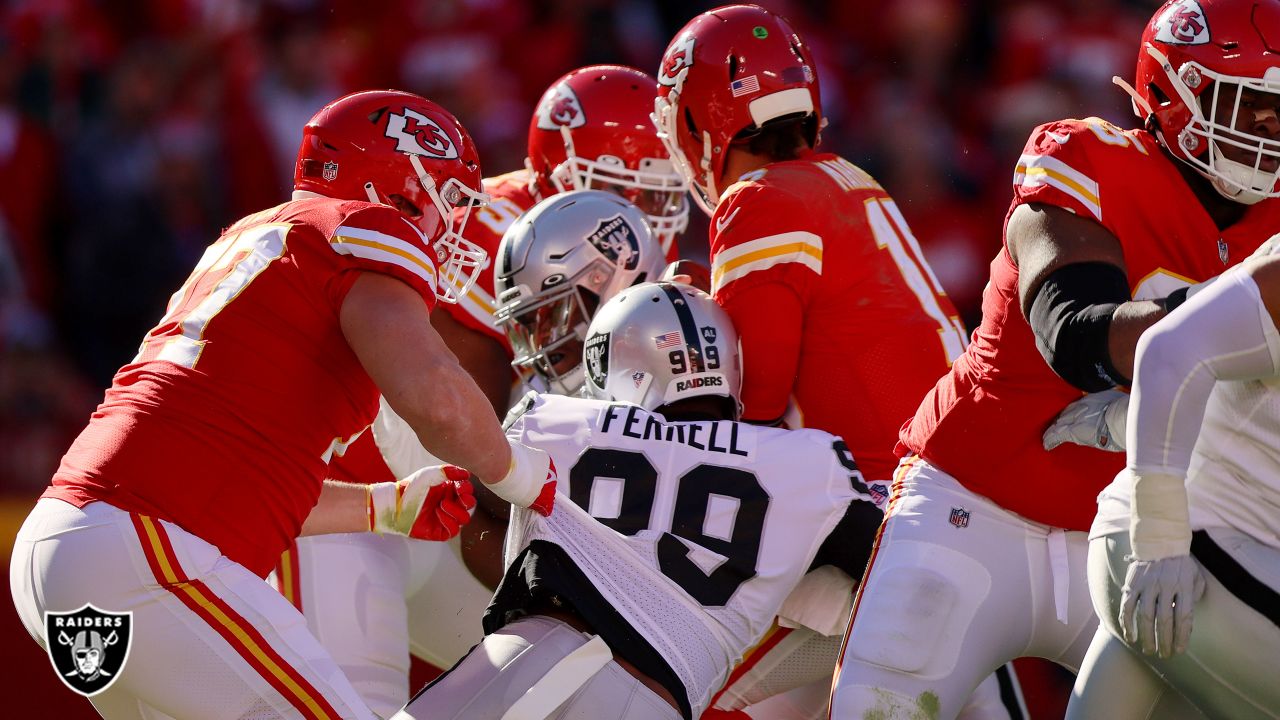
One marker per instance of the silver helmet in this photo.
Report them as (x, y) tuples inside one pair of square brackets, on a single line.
[(555, 266), (657, 343)]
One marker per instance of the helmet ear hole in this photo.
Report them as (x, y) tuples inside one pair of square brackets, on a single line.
[(733, 65), (1159, 95), (693, 126)]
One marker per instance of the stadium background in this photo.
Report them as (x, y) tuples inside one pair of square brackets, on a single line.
[(131, 131)]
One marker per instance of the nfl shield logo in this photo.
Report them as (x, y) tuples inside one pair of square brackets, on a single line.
[(330, 170), (960, 517), (88, 647)]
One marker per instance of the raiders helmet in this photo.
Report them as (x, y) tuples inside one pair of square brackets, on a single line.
[(656, 343), (555, 266)]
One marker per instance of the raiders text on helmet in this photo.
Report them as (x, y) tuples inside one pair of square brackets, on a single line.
[(657, 343)]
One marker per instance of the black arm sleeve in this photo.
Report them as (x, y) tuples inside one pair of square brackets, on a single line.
[(1071, 316), (848, 547)]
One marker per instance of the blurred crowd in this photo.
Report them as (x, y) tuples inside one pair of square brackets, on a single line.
[(131, 131)]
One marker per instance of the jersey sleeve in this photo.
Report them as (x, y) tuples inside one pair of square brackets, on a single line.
[(377, 238), (762, 234), (770, 323), (1064, 163)]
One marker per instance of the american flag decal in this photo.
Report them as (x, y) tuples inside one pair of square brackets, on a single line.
[(667, 340), (744, 86)]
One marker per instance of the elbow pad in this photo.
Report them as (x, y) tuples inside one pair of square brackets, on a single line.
[(1071, 316)]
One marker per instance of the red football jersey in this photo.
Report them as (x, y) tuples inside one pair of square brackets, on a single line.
[(834, 301), (509, 198), (983, 422), (227, 418)]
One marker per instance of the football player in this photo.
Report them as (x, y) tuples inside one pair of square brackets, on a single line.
[(209, 452), (1188, 529), (810, 256), (374, 600), (678, 537), (985, 536)]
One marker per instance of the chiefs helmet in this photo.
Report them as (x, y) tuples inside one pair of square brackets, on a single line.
[(402, 150), (1201, 64), (555, 266), (728, 73), (656, 343), (592, 130)]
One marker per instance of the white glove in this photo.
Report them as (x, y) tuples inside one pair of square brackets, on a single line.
[(530, 480), (1157, 602), (1096, 420)]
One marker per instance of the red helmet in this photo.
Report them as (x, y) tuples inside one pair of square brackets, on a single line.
[(400, 149), (592, 131), (1199, 59), (730, 71)]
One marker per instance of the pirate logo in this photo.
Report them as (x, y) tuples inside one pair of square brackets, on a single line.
[(88, 647), (596, 353), (616, 240)]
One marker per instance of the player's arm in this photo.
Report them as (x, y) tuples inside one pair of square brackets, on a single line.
[(770, 322), (387, 325), (482, 356), (1075, 295)]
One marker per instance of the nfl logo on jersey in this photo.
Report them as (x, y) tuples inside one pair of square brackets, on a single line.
[(329, 170), (960, 517)]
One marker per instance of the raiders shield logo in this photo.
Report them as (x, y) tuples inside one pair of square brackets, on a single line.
[(88, 647), (616, 240), (596, 353), (329, 171)]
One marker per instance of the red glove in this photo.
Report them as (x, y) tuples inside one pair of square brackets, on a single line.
[(431, 504)]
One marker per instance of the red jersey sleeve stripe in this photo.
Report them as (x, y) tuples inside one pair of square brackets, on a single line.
[(243, 637), (1033, 170)]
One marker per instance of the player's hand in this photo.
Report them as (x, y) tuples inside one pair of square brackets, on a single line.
[(1096, 420), (689, 273), (530, 481), (430, 504), (1156, 604)]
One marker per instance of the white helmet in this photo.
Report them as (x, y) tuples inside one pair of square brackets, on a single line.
[(556, 265), (656, 343)]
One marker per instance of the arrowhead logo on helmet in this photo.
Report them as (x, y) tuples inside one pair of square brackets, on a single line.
[(420, 135), (1183, 23), (560, 107), (88, 647), (677, 62)]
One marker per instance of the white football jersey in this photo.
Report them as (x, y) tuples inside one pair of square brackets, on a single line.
[(695, 532)]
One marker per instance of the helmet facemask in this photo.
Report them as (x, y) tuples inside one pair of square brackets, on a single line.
[(702, 182), (1241, 166), (655, 187), (547, 330)]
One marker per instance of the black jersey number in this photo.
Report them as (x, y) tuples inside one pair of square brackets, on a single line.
[(694, 492)]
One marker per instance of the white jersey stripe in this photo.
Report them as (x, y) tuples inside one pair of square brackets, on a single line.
[(370, 250), (347, 232), (800, 247), (1034, 170)]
